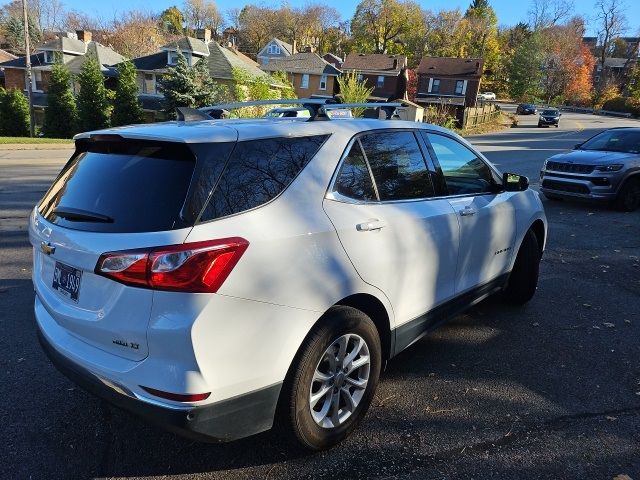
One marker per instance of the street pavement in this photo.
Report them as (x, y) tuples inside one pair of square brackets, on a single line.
[(549, 390)]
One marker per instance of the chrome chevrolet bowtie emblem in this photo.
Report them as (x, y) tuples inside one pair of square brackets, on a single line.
[(47, 248)]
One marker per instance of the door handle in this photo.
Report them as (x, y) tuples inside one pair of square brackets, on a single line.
[(467, 211), (370, 225)]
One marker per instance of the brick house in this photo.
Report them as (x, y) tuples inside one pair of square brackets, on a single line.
[(275, 49), (73, 49), (309, 73), (386, 74), (221, 62), (449, 80), (4, 57)]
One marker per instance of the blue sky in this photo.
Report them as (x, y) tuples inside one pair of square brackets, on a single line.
[(509, 11)]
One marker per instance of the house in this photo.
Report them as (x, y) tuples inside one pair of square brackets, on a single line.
[(334, 60), (221, 62), (386, 74), (309, 73), (449, 80), (274, 49), (4, 57), (73, 49), (615, 70)]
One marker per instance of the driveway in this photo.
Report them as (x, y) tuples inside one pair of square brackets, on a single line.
[(550, 390)]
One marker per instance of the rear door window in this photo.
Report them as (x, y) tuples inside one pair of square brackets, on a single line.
[(125, 186), (354, 179), (258, 171), (397, 164)]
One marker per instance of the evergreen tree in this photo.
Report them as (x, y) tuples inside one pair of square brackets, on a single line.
[(14, 113), (634, 82), (186, 86), (126, 107), (60, 118), (479, 4), (93, 100)]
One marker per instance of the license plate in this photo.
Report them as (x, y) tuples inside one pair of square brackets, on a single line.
[(66, 280)]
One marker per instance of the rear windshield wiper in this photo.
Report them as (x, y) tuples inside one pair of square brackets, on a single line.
[(75, 214)]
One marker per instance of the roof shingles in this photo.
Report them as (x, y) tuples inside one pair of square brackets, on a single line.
[(450, 66), (378, 62), (302, 63)]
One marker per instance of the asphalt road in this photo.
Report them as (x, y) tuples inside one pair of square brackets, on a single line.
[(550, 390)]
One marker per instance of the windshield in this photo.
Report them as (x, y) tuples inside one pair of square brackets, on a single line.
[(550, 112), (614, 141)]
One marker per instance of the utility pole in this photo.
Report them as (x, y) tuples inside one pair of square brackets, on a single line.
[(28, 67)]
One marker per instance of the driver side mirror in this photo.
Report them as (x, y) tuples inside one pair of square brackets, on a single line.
[(513, 182)]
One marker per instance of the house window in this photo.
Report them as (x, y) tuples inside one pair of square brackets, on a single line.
[(173, 57), (49, 57), (304, 83), (459, 87), (435, 87), (274, 49), (360, 77), (149, 84), (36, 81), (380, 82), (323, 82)]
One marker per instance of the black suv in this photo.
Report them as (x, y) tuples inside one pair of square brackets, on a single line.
[(548, 117)]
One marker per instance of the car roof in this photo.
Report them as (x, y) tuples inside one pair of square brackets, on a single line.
[(229, 130)]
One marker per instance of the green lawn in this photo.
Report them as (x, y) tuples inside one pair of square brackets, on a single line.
[(27, 140)]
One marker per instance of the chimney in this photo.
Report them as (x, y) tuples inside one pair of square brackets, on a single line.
[(84, 35), (204, 34), (295, 47)]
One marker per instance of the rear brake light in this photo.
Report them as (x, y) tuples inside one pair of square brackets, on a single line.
[(178, 397), (199, 267)]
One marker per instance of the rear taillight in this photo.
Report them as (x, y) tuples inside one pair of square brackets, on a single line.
[(199, 267)]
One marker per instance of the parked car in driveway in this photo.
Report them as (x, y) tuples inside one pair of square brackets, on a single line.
[(215, 277), (605, 168), (526, 109), (549, 117), (486, 96)]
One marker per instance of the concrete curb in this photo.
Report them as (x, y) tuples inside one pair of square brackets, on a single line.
[(37, 146)]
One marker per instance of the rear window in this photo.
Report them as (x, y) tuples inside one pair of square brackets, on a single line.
[(127, 186), (259, 170)]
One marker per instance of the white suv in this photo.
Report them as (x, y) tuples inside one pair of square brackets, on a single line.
[(219, 277)]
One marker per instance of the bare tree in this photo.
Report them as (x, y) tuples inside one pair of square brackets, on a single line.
[(547, 13), (200, 14), (612, 22)]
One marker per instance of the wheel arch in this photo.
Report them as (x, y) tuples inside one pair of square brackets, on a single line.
[(539, 231)]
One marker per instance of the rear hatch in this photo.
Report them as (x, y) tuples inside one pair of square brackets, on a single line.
[(115, 194)]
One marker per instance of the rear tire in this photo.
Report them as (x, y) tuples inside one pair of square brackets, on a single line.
[(318, 367), (628, 198), (523, 279)]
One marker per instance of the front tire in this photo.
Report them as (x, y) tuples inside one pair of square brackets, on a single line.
[(523, 279), (334, 379), (628, 198)]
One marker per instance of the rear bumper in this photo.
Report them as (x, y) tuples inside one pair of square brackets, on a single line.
[(222, 421)]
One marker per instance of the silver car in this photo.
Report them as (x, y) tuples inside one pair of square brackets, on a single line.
[(606, 167)]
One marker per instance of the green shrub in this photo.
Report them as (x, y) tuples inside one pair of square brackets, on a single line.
[(14, 113)]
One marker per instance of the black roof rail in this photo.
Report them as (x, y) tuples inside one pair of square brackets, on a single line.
[(318, 107)]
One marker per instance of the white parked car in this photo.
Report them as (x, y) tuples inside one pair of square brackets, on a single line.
[(487, 96), (212, 276)]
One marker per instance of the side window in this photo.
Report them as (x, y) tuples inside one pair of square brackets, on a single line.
[(464, 172), (259, 170), (353, 179), (398, 166)]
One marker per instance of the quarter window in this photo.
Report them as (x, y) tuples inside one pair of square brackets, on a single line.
[(353, 179), (258, 171), (464, 173), (397, 164)]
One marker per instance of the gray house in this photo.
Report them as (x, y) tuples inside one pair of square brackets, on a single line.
[(275, 49)]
